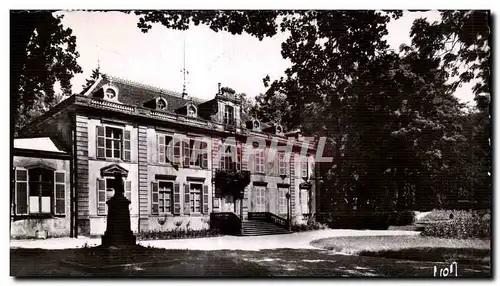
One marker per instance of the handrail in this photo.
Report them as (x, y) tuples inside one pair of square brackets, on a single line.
[(269, 217)]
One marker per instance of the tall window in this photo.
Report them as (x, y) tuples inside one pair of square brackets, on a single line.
[(41, 184), (187, 152), (199, 153), (165, 197), (259, 161), (113, 143), (39, 190), (282, 163), (304, 167), (195, 197), (105, 191), (227, 162), (282, 200), (229, 115)]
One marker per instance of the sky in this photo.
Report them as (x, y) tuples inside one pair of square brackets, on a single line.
[(112, 40)]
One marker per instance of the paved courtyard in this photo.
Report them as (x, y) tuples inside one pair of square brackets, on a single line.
[(299, 240)]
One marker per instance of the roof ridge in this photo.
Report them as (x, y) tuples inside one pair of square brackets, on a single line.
[(150, 87)]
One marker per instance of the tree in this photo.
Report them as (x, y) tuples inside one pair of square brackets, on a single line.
[(393, 126), (43, 52), (273, 109)]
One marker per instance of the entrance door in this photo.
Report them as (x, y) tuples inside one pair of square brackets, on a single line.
[(260, 199)]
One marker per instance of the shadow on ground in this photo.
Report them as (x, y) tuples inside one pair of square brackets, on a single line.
[(230, 263)]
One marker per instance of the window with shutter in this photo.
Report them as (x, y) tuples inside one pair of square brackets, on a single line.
[(126, 145), (165, 197), (21, 189), (204, 155), (59, 193), (100, 142), (205, 199), (101, 197), (154, 198), (177, 199), (187, 200), (161, 148), (186, 152), (282, 164)]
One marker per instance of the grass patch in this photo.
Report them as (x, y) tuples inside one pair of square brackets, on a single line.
[(412, 247)]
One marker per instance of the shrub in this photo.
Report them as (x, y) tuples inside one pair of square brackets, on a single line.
[(311, 225), (462, 227), (176, 234), (405, 218), (440, 215)]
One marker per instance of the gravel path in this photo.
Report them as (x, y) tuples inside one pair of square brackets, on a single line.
[(299, 240)]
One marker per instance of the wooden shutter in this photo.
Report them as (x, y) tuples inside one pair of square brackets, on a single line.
[(154, 198), (177, 199), (252, 200), (205, 199), (187, 201), (101, 197), (101, 142), (186, 152), (126, 145), (177, 151), (21, 189), (204, 156), (161, 148), (59, 193)]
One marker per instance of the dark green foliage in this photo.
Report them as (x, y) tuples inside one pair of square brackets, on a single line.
[(176, 234), (472, 226), (42, 53), (232, 182)]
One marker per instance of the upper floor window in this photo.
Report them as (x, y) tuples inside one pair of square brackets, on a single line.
[(304, 167), (110, 93), (227, 159), (113, 143), (259, 161), (187, 152), (229, 115), (161, 104), (39, 190), (191, 111), (282, 164)]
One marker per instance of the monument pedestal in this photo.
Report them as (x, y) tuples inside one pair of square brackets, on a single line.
[(118, 232)]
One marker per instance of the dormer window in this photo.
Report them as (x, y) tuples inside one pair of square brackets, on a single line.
[(110, 92), (161, 104), (191, 111), (279, 129)]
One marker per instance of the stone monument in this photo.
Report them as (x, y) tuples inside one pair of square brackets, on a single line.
[(118, 232)]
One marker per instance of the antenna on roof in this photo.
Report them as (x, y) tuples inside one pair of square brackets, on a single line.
[(184, 72)]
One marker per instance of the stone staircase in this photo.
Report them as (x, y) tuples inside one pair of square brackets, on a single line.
[(261, 227)]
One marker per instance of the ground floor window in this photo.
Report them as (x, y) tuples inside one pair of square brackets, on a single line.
[(195, 197), (39, 191), (282, 200), (304, 201), (165, 197), (105, 191), (260, 199)]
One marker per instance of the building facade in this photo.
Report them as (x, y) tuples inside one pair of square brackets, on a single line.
[(167, 147)]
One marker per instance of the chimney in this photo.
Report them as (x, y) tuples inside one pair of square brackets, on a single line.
[(218, 88)]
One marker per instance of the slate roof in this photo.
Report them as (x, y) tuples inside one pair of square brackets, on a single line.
[(136, 94)]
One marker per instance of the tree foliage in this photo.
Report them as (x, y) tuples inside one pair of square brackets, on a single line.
[(43, 52), (398, 136)]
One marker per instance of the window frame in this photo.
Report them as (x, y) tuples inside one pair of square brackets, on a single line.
[(171, 193), (282, 201), (125, 138), (259, 161), (192, 200), (54, 197), (282, 164), (229, 115)]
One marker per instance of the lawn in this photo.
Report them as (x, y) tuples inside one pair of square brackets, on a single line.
[(231, 263), (415, 247)]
